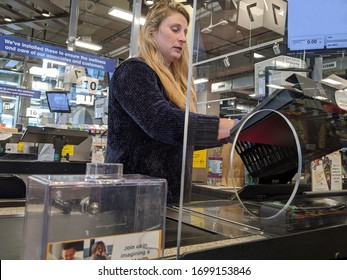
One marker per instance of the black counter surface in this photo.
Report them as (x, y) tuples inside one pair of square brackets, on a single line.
[(41, 167)]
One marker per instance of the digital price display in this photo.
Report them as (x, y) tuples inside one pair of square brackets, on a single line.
[(316, 26), (306, 43)]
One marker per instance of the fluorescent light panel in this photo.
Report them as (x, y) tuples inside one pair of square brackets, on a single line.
[(200, 81), (45, 13), (258, 55), (14, 26), (122, 14), (321, 97), (119, 51), (331, 81), (8, 97), (88, 45), (209, 28), (275, 86), (149, 2)]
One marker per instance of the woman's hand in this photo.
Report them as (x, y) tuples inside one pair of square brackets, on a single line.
[(225, 125)]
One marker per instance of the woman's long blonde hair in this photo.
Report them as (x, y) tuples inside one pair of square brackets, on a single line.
[(175, 81)]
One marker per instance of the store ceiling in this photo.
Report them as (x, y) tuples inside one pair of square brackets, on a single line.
[(95, 23)]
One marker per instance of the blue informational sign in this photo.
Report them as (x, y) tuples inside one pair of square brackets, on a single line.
[(27, 48), (13, 91)]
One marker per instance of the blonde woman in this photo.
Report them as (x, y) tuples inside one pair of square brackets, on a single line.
[(147, 104)]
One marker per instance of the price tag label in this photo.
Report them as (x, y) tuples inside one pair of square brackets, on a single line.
[(20, 146), (199, 159), (32, 113)]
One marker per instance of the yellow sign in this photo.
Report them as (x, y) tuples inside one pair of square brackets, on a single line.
[(199, 159), (20, 146), (68, 149)]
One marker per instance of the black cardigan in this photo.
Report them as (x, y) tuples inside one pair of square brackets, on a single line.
[(145, 129)]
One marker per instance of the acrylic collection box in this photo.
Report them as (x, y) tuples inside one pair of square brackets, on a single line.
[(125, 212)]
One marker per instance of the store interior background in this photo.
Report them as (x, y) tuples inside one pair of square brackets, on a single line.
[(234, 45), (226, 51)]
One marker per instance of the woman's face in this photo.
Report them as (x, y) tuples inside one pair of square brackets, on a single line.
[(171, 37), (99, 249)]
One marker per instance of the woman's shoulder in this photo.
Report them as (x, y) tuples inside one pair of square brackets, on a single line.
[(134, 67), (132, 62)]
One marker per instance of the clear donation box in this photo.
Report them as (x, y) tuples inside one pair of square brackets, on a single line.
[(66, 216)]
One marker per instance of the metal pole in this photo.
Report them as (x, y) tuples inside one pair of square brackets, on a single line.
[(74, 12), (184, 154), (135, 27)]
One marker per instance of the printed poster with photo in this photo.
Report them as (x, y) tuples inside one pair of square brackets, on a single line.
[(131, 246), (327, 173)]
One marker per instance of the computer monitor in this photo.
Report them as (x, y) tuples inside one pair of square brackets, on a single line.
[(266, 143), (58, 102), (316, 27)]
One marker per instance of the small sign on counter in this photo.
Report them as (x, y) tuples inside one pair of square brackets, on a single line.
[(327, 173)]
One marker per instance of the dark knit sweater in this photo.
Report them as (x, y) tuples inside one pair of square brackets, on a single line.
[(145, 129)]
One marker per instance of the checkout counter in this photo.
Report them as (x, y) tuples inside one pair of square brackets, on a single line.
[(207, 236), (277, 142), (318, 236), (17, 166)]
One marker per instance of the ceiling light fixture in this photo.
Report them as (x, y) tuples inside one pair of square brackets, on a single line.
[(206, 30), (45, 13), (8, 97), (331, 81), (335, 81), (8, 19), (14, 26), (200, 81), (209, 28), (226, 61), (87, 45), (122, 14), (275, 86), (149, 2), (119, 51), (276, 49), (258, 55)]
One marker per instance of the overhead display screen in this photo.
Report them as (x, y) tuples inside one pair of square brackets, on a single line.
[(316, 26)]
